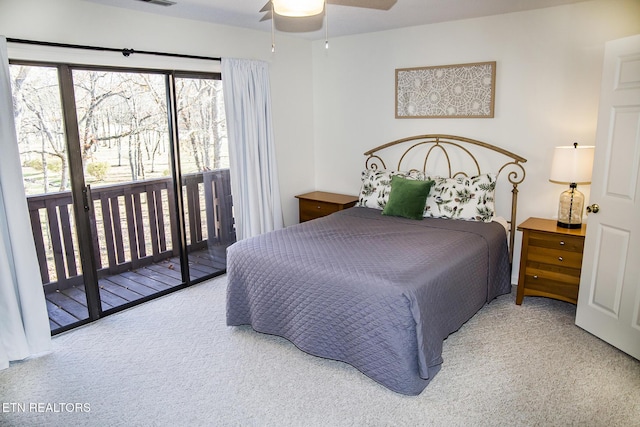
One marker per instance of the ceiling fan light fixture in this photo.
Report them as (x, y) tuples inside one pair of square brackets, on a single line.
[(298, 8)]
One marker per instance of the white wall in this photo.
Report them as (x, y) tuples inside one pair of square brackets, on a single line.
[(548, 73), (81, 22)]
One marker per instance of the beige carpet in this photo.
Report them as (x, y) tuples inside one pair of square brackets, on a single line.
[(173, 362)]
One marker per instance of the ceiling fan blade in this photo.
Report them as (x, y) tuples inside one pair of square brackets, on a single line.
[(266, 7), (267, 16), (267, 10), (367, 4)]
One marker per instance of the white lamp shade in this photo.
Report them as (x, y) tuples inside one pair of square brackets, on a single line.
[(572, 164), (298, 8)]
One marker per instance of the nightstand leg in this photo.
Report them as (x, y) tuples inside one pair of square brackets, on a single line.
[(520, 295)]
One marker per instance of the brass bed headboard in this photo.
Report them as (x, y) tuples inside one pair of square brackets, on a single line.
[(450, 148)]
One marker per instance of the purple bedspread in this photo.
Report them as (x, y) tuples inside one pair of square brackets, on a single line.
[(378, 292)]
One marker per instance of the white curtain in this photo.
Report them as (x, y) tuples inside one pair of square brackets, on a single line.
[(24, 322), (254, 178)]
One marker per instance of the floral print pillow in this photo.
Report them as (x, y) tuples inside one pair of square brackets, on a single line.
[(376, 186), (462, 198)]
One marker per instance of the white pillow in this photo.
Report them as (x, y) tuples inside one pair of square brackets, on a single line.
[(465, 198), (376, 186)]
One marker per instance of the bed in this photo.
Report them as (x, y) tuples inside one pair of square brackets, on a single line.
[(383, 291)]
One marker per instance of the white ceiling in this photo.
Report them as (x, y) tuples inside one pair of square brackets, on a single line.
[(343, 20)]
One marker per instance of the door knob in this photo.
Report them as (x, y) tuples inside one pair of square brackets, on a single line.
[(594, 208)]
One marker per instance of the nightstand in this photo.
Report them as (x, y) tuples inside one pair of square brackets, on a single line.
[(550, 260), (319, 203)]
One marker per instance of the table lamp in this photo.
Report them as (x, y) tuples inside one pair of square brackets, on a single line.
[(571, 165)]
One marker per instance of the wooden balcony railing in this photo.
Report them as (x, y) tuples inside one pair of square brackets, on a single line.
[(134, 225)]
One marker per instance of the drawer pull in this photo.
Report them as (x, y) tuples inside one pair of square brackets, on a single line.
[(560, 258), (318, 207), (561, 242), (535, 277)]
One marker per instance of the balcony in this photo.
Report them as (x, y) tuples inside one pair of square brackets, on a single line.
[(135, 240)]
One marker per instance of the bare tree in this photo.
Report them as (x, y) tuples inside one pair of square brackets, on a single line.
[(201, 118), (122, 120)]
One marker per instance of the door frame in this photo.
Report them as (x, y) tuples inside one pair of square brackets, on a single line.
[(79, 193)]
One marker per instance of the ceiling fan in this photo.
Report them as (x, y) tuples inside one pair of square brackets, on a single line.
[(306, 15), (306, 8)]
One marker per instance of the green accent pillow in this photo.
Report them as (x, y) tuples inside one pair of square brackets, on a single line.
[(407, 198)]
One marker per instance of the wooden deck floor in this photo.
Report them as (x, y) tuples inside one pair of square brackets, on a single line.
[(69, 306)]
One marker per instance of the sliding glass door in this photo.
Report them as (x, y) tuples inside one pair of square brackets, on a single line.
[(101, 159), (126, 163), (39, 119), (204, 162)]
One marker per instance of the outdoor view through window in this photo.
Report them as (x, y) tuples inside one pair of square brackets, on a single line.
[(119, 154)]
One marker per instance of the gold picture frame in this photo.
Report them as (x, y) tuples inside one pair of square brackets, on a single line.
[(446, 91)]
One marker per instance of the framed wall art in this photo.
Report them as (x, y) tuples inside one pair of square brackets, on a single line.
[(447, 91)]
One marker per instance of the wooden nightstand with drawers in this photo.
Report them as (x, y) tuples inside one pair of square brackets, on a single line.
[(319, 203), (550, 260)]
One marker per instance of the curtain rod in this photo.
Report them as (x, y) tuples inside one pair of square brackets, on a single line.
[(125, 51)]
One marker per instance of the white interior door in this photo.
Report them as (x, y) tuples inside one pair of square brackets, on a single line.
[(609, 298)]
